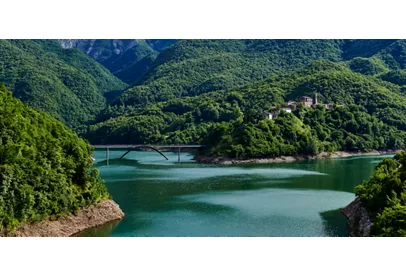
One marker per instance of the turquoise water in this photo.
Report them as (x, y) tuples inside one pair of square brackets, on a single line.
[(166, 198)]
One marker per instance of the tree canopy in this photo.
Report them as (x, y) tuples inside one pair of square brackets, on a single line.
[(45, 168), (66, 83), (384, 195), (230, 122)]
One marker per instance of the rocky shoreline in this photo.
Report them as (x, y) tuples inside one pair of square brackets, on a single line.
[(92, 216), (359, 219), (281, 159)]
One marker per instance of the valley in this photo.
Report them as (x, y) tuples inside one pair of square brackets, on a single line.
[(243, 100)]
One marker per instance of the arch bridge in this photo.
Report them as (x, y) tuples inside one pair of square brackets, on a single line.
[(132, 147)]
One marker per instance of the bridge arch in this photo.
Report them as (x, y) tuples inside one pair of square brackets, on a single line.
[(144, 146)]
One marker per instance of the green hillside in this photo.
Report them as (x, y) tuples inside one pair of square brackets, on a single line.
[(45, 169), (128, 59), (384, 196), (215, 92), (230, 121), (63, 82), (118, 61), (193, 67), (210, 92)]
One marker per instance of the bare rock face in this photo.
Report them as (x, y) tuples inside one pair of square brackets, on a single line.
[(95, 215), (359, 220), (97, 48)]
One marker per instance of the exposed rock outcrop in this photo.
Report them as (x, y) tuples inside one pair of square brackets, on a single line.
[(324, 155), (359, 219), (100, 49), (95, 215)]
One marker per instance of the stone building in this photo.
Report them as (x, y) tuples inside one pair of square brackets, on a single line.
[(291, 105), (307, 101), (273, 114)]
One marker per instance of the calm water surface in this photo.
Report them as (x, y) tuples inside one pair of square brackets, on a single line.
[(167, 198)]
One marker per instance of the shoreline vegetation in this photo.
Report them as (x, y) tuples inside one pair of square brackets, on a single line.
[(379, 209), (358, 219), (92, 216), (45, 174), (282, 159), (215, 92)]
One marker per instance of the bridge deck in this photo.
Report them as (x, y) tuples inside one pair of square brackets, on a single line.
[(131, 147), (127, 146)]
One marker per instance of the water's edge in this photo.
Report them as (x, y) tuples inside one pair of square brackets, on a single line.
[(89, 217), (358, 219), (165, 198), (281, 159)]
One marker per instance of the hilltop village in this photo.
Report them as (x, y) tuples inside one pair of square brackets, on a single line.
[(291, 105)]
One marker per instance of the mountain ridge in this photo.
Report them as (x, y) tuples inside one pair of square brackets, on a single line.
[(63, 82), (121, 56)]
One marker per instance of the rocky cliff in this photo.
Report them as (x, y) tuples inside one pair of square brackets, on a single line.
[(359, 220), (127, 59), (101, 49), (92, 216)]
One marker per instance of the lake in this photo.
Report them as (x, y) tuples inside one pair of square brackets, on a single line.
[(165, 198)]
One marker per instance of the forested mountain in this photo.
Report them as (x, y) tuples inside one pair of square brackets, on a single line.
[(230, 121), (210, 92), (128, 59), (216, 91), (63, 82), (45, 169), (193, 67)]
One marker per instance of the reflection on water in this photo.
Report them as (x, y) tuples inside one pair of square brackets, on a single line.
[(333, 221), (166, 198), (101, 231)]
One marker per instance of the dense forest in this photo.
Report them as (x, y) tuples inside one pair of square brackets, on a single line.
[(215, 92), (210, 92), (384, 195), (230, 122), (127, 59), (63, 82), (193, 67), (45, 168)]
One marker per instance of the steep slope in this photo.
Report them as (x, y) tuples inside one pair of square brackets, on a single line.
[(364, 47), (381, 201), (161, 44), (194, 86), (373, 117), (128, 59), (45, 169), (336, 83), (394, 55), (65, 83), (230, 122), (192, 67)]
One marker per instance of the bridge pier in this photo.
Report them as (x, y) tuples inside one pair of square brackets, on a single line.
[(107, 155), (179, 154)]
